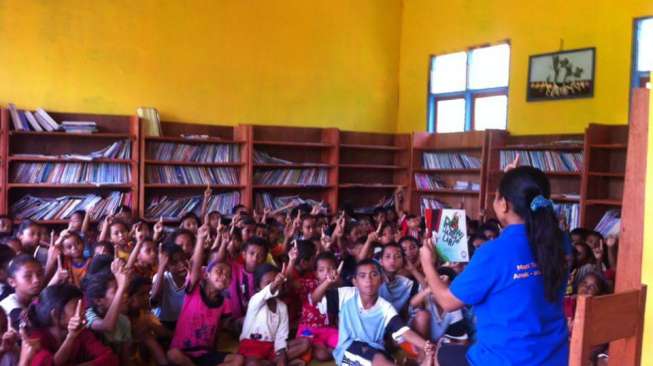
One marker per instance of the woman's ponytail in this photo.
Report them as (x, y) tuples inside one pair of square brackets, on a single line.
[(527, 190)]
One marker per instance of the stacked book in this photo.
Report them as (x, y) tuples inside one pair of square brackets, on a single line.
[(175, 174), (429, 182), (39, 120), (610, 223), (71, 173), (431, 203), (61, 208), (450, 161), (463, 185), (117, 150), (173, 208), (79, 126), (203, 153), (570, 212), (266, 200), (289, 177), (261, 157), (547, 161)]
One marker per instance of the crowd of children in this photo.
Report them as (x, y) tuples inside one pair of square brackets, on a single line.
[(289, 286)]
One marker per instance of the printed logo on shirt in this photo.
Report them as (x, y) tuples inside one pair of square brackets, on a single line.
[(527, 270)]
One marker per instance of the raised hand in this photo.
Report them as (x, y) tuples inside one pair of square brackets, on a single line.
[(61, 275), (512, 165), (612, 240), (120, 272), (158, 227), (427, 253), (293, 254), (208, 191), (77, 321), (28, 348)]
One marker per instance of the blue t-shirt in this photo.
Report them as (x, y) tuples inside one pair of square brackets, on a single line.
[(516, 325)]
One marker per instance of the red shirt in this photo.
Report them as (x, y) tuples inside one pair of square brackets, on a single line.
[(86, 348)]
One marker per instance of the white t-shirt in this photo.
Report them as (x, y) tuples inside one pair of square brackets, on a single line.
[(261, 324)]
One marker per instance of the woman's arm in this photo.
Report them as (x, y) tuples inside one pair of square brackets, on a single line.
[(418, 300), (441, 292)]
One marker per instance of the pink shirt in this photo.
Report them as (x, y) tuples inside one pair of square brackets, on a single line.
[(240, 291), (197, 324)]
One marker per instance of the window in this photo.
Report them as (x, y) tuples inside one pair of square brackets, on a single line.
[(469, 90), (642, 52)]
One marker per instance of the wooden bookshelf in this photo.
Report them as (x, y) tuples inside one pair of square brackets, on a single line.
[(604, 171), (472, 144), (371, 167), (565, 186), (171, 132), (304, 148), (47, 147)]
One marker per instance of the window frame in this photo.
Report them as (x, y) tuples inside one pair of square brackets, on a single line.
[(638, 79), (469, 95)]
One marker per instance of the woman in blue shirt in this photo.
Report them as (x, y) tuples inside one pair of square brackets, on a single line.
[(515, 283)]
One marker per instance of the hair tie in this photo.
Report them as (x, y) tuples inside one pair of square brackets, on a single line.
[(540, 202)]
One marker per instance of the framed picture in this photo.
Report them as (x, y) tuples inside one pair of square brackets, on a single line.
[(561, 75)]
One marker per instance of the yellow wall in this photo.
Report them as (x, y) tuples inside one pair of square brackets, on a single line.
[(647, 260), (291, 62), (436, 27)]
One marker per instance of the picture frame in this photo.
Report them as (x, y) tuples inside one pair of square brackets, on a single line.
[(561, 75)]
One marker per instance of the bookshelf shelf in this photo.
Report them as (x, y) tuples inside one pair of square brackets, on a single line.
[(449, 191), (609, 146), (607, 174), (68, 160), (191, 163), (302, 148), (68, 186), (193, 186), (561, 147), (371, 147), (234, 137), (34, 148), (192, 141), (603, 173), (447, 171), (447, 148), (319, 145), (271, 186), (293, 166), (566, 186), (548, 173), (98, 135), (373, 163), (363, 185), (372, 166), (446, 159), (603, 202)]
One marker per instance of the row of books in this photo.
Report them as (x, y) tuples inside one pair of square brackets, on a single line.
[(450, 161), (179, 174), (39, 120), (267, 200), (173, 208), (204, 153), (548, 161), (610, 223), (432, 203), (79, 126), (570, 212), (71, 173), (429, 182), (285, 177), (61, 208), (117, 150)]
